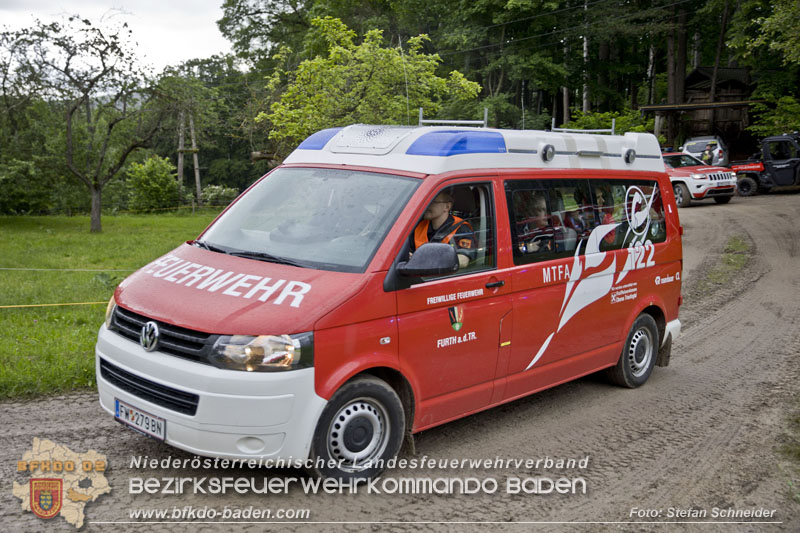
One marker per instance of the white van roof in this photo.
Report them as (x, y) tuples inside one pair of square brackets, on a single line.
[(437, 149)]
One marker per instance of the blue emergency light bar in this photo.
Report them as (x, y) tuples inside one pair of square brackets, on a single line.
[(317, 141), (458, 142)]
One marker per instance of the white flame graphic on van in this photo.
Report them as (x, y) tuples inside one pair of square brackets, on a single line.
[(580, 293)]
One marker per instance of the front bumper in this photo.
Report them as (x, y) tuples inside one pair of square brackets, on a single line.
[(672, 331), (706, 189), (239, 415)]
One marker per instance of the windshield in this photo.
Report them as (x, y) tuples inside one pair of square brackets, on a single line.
[(677, 161), (313, 217), (698, 146)]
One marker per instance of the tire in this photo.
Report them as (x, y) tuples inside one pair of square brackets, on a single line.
[(360, 429), (722, 199), (639, 354), (682, 196), (747, 186)]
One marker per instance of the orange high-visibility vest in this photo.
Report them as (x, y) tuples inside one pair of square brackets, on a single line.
[(421, 232)]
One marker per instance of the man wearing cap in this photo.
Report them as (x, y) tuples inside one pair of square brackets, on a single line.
[(438, 225)]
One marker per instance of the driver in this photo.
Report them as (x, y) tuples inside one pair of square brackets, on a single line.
[(438, 225)]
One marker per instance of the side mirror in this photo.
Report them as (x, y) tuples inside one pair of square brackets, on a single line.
[(431, 259), (680, 148)]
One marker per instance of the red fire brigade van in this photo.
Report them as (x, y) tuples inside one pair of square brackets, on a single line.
[(385, 280)]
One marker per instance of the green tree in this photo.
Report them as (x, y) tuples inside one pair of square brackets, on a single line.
[(772, 53), (110, 108), (152, 185), (219, 195), (776, 115), (225, 99), (257, 28), (780, 30), (22, 188), (365, 82), (628, 120)]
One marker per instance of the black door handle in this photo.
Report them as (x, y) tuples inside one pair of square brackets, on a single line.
[(493, 284)]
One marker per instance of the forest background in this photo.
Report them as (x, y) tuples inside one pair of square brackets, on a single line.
[(85, 127)]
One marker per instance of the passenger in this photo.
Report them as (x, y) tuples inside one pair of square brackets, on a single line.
[(604, 213), (536, 234), (708, 155), (582, 219), (604, 206), (438, 225)]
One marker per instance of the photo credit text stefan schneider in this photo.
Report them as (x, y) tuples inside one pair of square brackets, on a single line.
[(408, 476)]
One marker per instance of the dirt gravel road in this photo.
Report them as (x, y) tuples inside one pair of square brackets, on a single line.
[(704, 433)]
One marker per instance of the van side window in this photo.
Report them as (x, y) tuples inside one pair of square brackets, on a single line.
[(461, 216), (551, 219), (538, 211)]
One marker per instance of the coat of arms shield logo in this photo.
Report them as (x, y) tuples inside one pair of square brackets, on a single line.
[(456, 317), (46, 496)]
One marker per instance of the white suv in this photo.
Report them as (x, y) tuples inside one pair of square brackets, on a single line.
[(693, 180)]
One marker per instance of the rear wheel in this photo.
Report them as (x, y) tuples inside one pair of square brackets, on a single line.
[(722, 199), (682, 197), (747, 186), (361, 428), (638, 355)]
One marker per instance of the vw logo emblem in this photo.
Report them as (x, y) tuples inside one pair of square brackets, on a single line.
[(148, 338)]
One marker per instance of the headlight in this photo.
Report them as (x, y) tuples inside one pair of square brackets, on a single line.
[(110, 311), (265, 353), (700, 176)]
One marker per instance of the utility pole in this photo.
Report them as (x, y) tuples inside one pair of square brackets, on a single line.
[(183, 150), (181, 126), (194, 160)]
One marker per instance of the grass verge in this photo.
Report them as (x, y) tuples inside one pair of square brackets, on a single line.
[(734, 258), (791, 450), (46, 350)]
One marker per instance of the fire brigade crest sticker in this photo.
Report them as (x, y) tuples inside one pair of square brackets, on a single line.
[(46, 496), (456, 317)]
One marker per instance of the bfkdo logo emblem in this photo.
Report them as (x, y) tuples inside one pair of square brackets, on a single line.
[(46, 496)]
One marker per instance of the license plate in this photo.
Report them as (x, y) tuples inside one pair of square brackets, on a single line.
[(140, 420)]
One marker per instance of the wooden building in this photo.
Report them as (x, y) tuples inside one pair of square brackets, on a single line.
[(726, 116)]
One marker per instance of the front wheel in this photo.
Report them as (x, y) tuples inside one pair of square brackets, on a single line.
[(746, 186), (360, 429), (722, 199), (682, 196), (638, 355)]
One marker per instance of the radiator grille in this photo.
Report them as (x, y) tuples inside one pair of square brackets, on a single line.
[(173, 340), (167, 397)]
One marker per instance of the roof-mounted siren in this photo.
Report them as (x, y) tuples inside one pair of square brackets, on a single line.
[(569, 130), (482, 123)]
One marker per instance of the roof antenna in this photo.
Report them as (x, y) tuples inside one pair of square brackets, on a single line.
[(403, 58)]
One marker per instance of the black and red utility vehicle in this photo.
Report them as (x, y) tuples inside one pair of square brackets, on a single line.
[(777, 164)]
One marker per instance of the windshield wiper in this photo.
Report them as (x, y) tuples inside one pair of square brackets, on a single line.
[(260, 256), (210, 247), (269, 258)]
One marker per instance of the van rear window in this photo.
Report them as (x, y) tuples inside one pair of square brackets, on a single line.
[(319, 218), (551, 219), (699, 146)]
